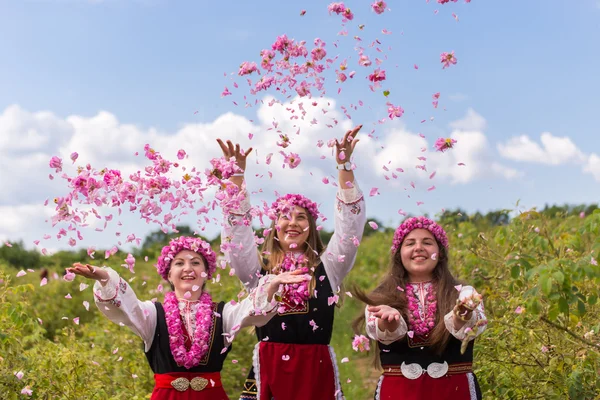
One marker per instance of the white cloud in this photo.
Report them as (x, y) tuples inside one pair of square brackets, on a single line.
[(29, 140), (402, 149), (553, 150), (592, 166), (471, 122)]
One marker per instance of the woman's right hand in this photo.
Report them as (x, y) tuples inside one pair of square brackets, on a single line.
[(231, 150), (297, 276), (385, 313), (89, 271)]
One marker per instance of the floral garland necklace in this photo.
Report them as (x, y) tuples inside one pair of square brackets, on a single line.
[(204, 321), (296, 293), (421, 318)]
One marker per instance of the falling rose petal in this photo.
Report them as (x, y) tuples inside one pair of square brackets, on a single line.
[(434, 256), (68, 296), (224, 350), (40, 321), (27, 391), (195, 288), (19, 375), (302, 13), (461, 164), (348, 294), (187, 295), (74, 156), (374, 192), (69, 277), (345, 360), (181, 154), (429, 189), (432, 175), (76, 320), (519, 310), (458, 287), (44, 282), (86, 304), (203, 274), (285, 357), (283, 326), (342, 155), (400, 288), (83, 286), (373, 225), (21, 273), (410, 334)]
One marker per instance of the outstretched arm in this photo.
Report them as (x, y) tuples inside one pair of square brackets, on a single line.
[(349, 215), (384, 324), (237, 237), (115, 299)]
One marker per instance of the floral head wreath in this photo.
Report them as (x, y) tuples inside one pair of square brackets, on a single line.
[(419, 223), (186, 243), (284, 205)]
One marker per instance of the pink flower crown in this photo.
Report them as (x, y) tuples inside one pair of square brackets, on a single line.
[(284, 205), (163, 265), (419, 223)]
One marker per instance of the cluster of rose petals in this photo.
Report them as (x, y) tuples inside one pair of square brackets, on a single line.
[(360, 343), (200, 343), (284, 205), (443, 144), (395, 111), (447, 59), (379, 7), (168, 252), (419, 223), (296, 293), (341, 9)]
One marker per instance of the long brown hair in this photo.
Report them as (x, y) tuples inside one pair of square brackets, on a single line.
[(387, 293), (272, 252)]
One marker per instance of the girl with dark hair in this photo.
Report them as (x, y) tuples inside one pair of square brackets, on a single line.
[(423, 320), (188, 336), (293, 359)]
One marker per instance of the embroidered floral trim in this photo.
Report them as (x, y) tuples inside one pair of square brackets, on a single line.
[(201, 334)]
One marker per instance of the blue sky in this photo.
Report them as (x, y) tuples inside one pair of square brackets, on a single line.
[(524, 68)]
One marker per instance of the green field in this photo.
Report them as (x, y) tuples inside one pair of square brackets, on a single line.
[(543, 262)]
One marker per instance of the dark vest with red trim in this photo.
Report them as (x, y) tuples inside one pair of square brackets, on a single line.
[(161, 359), (298, 327), (417, 350)]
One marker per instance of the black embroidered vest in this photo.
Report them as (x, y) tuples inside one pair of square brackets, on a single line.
[(160, 358), (298, 328)]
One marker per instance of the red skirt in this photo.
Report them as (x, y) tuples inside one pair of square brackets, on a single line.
[(453, 386), (296, 372), (188, 388)]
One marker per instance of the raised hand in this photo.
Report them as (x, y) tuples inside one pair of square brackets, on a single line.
[(89, 271), (345, 148), (231, 150)]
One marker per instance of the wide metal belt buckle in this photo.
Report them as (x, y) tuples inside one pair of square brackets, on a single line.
[(182, 384), (414, 370)]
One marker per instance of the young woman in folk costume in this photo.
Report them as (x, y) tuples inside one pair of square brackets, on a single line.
[(187, 337), (423, 319), (293, 359)]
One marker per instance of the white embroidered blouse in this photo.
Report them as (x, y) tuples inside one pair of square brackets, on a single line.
[(119, 303), (387, 337), (338, 259)]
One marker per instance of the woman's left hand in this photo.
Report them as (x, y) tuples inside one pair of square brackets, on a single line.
[(345, 148)]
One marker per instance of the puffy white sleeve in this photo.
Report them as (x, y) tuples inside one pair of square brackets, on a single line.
[(119, 303), (349, 217), (254, 310), (239, 246), (385, 337), (477, 315)]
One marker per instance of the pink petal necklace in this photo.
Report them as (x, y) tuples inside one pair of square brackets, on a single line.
[(421, 317), (204, 321)]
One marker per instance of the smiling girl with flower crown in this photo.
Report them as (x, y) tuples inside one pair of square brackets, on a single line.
[(188, 336), (293, 359), (423, 320)]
